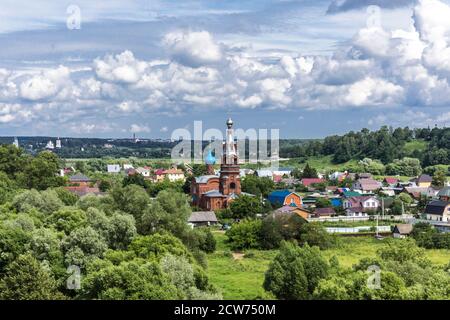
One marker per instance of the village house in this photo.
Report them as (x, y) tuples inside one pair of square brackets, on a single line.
[(113, 168), (158, 175), (390, 181), (444, 194), (438, 210), (82, 185), (285, 198), (80, 180), (418, 192), (264, 173), (127, 166), (288, 210), (324, 212), (366, 185), (423, 181), (283, 172), (364, 175), (360, 206), (202, 218), (144, 171), (339, 176), (174, 174), (402, 230)]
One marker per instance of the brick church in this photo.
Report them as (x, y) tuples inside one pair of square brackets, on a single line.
[(212, 192)]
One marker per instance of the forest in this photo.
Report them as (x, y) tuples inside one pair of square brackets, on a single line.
[(430, 146)]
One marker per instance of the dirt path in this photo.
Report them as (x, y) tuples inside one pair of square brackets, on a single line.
[(238, 256)]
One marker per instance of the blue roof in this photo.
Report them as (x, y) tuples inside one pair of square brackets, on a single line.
[(210, 159), (278, 196)]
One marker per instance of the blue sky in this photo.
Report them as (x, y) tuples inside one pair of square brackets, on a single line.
[(309, 68)]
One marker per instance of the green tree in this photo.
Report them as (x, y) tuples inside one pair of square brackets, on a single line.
[(41, 172), (245, 234), (245, 207), (67, 197), (309, 172), (132, 280), (295, 272), (12, 160), (83, 245), (131, 199), (439, 178), (67, 219), (323, 203), (315, 235), (257, 185), (46, 201), (26, 279)]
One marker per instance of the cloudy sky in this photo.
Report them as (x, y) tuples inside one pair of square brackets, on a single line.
[(308, 67)]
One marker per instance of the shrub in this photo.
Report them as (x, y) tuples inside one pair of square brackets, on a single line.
[(245, 235)]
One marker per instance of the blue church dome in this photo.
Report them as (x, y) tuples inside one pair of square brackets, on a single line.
[(210, 159)]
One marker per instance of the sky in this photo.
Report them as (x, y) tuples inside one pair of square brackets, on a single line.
[(309, 68)]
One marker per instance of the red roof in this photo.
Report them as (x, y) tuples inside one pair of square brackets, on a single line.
[(159, 172), (277, 178), (309, 181), (391, 180)]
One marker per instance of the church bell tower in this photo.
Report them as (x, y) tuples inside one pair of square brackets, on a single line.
[(230, 181)]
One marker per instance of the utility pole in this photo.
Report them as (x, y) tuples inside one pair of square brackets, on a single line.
[(376, 228)]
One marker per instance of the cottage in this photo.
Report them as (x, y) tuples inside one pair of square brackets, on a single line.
[(339, 176), (285, 198), (202, 218), (360, 206), (390, 181), (288, 210), (366, 185), (113, 168), (282, 172), (144, 171), (418, 192), (438, 210), (174, 174), (402, 230), (444, 194), (424, 180), (364, 175), (264, 173), (324, 212), (127, 166), (79, 179)]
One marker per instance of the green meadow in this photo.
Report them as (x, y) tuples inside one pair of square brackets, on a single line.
[(241, 276)]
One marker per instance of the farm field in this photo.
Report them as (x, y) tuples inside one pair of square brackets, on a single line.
[(242, 277)]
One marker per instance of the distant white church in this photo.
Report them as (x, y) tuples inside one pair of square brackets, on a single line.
[(16, 142)]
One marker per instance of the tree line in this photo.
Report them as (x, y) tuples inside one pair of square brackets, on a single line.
[(385, 145)]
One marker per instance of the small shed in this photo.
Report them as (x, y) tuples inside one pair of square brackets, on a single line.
[(402, 230), (202, 218)]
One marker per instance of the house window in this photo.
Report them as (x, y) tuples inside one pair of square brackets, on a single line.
[(232, 185)]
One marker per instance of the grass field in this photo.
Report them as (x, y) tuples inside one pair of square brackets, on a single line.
[(320, 163), (419, 145), (243, 278)]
